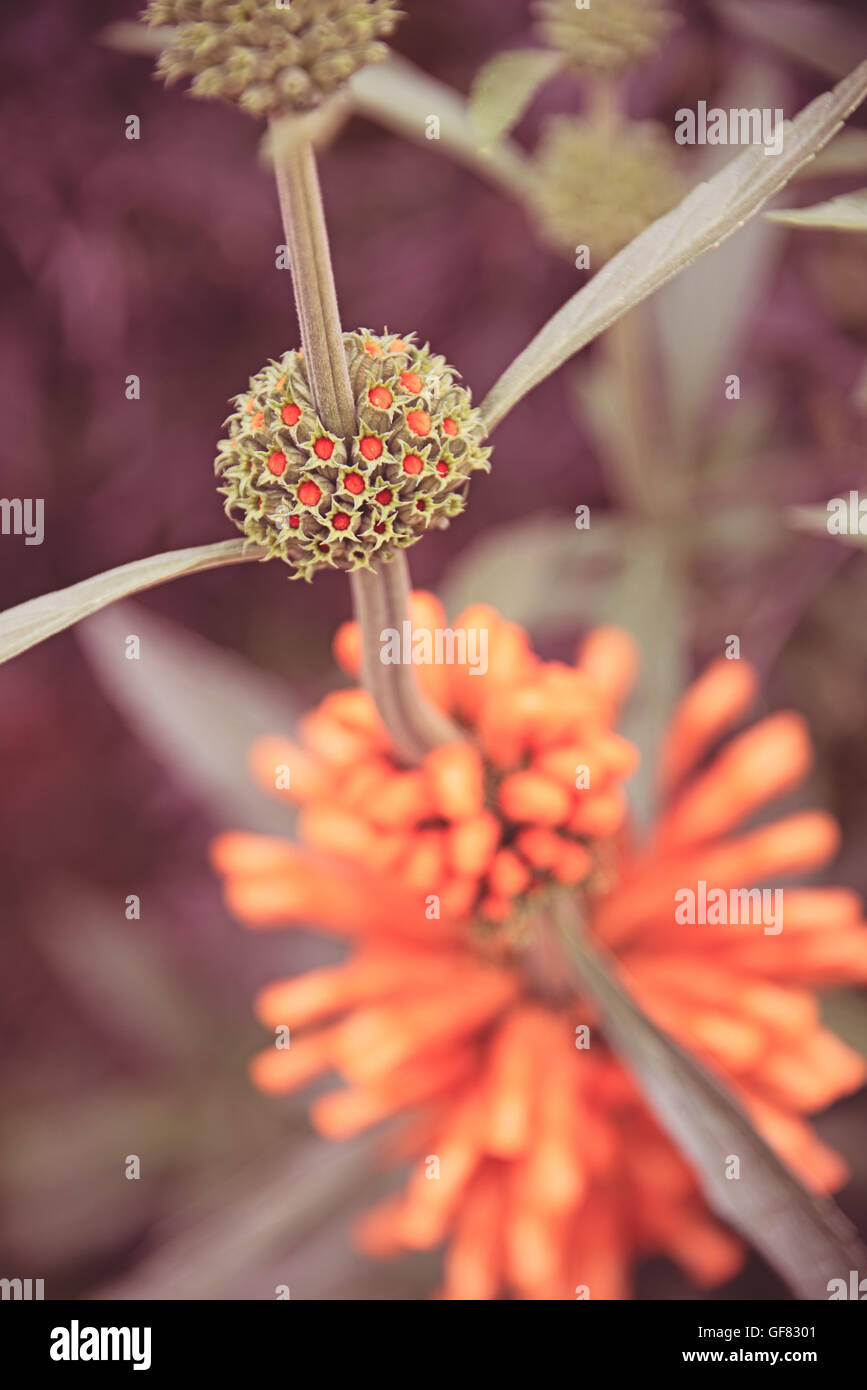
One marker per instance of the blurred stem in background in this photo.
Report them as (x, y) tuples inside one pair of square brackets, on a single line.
[(381, 596)]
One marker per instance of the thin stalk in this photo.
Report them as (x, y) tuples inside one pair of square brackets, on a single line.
[(805, 1238), (381, 596)]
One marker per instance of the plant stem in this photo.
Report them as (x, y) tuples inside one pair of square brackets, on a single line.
[(381, 600), (381, 596), (806, 1238)]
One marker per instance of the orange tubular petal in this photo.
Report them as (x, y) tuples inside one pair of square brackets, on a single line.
[(705, 1251), (600, 815), (797, 844), (347, 648), (270, 760), (333, 831), (277, 1071), (811, 1076), (374, 1041), (511, 1083), (474, 1259), (530, 797), (345, 1113), (608, 656), (238, 852), (508, 875), (472, 843), (763, 763), (714, 703), (456, 777), (402, 800), (433, 1195), (377, 1231), (555, 1173)]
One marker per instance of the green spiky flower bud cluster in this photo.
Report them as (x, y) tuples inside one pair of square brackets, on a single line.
[(603, 191), (316, 500), (606, 36), (268, 58)]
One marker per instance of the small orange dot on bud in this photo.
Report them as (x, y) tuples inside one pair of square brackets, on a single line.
[(419, 422), (354, 482), (449, 425), (442, 468), (411, 381), (323, 448), (384, 497), (277, 463), (280, 384), (373, 348), (250, 406), (309, 494), (412, 464), (398, 345), (340, 521), (258, 420), (371, 447), (290, 414), (381, 397)]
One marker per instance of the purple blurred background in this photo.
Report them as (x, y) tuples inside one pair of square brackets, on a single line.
[(157, 257)]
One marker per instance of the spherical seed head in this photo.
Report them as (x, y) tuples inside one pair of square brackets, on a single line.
[(317, 500), (270, 59), (602, 192), (608, 35)]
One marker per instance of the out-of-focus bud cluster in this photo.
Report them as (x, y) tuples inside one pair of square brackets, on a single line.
[(317, 500), (268, 58), (602, 190), (607, 35)]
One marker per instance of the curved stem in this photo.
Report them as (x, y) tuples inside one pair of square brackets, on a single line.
[(380, 597), (381, 601)]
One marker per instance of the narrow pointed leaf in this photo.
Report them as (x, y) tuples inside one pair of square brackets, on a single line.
[(31, 622), (707, 215), (198, 706), (403, 98), (848, 213), (806, 1239), (504, 87)]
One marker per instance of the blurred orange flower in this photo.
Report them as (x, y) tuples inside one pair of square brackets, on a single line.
[(537, 1162)]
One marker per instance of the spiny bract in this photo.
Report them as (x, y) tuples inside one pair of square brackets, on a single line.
[(270, 58), (317, 500)]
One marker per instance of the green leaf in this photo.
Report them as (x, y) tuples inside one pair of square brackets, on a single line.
[(806, 1239), (846, 155), (197, 706), (708, 214), (405, 99), (504, 87), (32, 622), (822, 36), (649, 601), (540, 572), (848, 213)]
